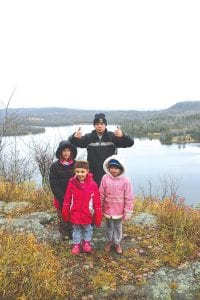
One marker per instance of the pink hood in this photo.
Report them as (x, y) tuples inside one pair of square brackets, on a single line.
[(105, 164)]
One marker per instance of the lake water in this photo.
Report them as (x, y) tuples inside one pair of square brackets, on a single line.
[(150, 165)]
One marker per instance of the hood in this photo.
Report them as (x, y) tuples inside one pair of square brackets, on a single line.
[(66, 144), (116, 157)]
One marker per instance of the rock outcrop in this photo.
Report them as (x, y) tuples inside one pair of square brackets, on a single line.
[(181, 283)]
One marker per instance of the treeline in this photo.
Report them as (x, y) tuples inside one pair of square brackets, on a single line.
[(179, 123), (167, 128), (14, 124)]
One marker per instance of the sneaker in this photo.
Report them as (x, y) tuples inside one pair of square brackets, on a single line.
[(86, 247), (107, 247), (76, 249), (118, 249)]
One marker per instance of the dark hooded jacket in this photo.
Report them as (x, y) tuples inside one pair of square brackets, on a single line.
[(60, 174)]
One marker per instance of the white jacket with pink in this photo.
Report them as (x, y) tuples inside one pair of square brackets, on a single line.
[(116, 193)]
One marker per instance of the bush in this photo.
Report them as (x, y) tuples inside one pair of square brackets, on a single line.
[(40, 198), (29, 270)]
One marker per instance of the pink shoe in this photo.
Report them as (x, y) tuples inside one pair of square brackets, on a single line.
[(86, 247), (76, 249), (118, 249), (107, 247)]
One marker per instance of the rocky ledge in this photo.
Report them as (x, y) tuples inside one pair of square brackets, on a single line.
[(181, 283)]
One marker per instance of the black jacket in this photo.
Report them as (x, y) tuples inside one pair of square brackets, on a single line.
[(100, 149), (58, 179)]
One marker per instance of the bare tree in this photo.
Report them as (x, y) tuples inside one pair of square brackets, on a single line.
[(13, 167), (147, 193), (44, 156), (4, 122), (168, 186)]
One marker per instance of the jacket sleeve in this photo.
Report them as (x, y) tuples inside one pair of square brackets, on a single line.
[(53, 181), (97, 206), (82, 142), (67, 203), (124, 141), (102, 192), (129, 198)]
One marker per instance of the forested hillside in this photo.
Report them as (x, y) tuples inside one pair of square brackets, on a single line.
[(186, 107), (178, 123)]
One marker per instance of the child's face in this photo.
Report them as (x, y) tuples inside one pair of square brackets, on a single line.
[(114, 171), (81, 173), (66, 154), (100, 127)]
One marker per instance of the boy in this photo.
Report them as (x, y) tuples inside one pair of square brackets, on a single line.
[(100, 144)]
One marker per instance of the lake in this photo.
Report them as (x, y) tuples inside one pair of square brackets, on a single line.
[(151, 166)]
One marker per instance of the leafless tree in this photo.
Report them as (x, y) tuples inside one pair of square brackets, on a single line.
[(13, 167), (147, 192), (168, 186), (43, 155), (4, 122)]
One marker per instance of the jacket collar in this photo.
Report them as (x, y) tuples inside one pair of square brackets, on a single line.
[(96, 134)]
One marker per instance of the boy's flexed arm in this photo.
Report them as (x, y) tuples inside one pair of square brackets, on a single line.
[(121, 139), (78, 139)]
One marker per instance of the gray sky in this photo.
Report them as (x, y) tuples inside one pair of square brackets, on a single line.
[(108, 54)]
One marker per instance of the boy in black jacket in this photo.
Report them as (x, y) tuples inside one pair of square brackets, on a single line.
[(100, 144)]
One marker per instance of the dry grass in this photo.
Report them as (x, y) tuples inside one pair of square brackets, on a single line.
[(41, 199), (31, 270), (178, 228)]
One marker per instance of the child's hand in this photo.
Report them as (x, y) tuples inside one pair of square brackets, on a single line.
[(98, 224), (78, 133), (65, 214), (127, 216), (118, 132)]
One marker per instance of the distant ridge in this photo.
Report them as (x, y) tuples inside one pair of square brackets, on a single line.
[(185, 107), (62, 116)]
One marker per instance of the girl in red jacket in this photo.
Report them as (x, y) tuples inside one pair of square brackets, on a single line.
[(82, 207)]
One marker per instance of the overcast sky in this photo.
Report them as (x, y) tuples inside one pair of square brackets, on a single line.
[(106, 54)]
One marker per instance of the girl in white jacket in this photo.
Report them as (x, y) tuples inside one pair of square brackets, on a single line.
[(117, 199)]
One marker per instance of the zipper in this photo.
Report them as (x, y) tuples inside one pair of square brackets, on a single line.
[(82, 200)]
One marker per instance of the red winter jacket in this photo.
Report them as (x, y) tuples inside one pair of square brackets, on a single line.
[(81, 200)]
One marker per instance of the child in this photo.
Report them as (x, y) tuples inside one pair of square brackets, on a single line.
[(80, 201), (60, 173), (117, 201), (100, 144)]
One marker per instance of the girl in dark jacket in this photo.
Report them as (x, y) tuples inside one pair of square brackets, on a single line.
[(60, 173)]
